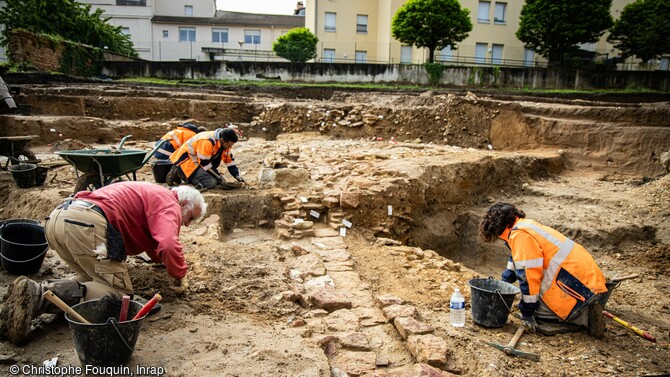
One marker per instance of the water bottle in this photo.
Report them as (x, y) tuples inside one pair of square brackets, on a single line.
[(457, 305)]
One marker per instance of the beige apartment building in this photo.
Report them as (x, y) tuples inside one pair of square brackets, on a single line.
[(360, 31)]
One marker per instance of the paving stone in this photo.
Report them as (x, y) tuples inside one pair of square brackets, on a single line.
[(386, 300), (428, 349), (407, 326), (310, 265), (370, 316), (354, 363), (356, 341), (330, 300), (342, 320), (393, 311)]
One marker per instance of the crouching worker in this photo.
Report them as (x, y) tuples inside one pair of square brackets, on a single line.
[(560, 281), (174, 139), (93, 233), (196, 161)]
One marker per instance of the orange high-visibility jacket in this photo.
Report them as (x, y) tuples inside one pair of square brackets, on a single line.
[(553, 268), (174, 139), (203, 150)]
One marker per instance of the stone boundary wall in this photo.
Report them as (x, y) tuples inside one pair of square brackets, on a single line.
[(476, 77)]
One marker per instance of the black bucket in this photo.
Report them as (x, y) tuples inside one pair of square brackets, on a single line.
[(491, 301), (22, 247), (41, 175), (24, 174), (161, 168), (105, 341)]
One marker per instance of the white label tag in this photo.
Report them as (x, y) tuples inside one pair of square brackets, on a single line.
[(314, 214), (346, 223), (343, 232), (390, 211), (303, 199)]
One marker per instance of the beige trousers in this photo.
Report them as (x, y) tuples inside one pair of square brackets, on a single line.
[(79, 235)]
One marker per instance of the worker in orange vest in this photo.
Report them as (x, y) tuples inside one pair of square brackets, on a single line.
[(197, 160), (174, 139), (560, 282)]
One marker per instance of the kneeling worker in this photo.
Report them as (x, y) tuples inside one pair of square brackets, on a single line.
[(174, 139), (560, 281), (93, 233), (197, 160)]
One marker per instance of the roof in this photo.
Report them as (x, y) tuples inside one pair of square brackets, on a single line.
[(223, 17)]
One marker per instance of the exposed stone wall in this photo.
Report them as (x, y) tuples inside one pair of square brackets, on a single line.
[(42, 53)]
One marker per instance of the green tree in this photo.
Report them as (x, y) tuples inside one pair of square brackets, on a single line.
[(554, 28), (433, 24), (643, 29), (298, 45), (65, 18)]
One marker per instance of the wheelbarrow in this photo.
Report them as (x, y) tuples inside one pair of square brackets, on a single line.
[(101, 167), (15, 148)]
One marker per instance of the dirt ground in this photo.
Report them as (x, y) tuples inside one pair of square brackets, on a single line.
[(357, 201)]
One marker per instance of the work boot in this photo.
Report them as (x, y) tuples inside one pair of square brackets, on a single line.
[(24, 301), (173, 177), (596, 320)]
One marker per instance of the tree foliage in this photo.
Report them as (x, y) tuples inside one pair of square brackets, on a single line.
[(643, 29), (433, 24), (298, 45), (68, 19), (554, 28)]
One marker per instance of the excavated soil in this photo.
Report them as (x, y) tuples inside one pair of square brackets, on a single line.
[(356, 200)]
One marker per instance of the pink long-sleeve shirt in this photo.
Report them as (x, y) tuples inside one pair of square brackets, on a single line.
[(148, 216)]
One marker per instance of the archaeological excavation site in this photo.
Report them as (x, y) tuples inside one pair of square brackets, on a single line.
[(359, 217)]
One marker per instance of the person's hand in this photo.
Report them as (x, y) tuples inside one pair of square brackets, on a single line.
[(529, 323), (240, 179), (181, 285)]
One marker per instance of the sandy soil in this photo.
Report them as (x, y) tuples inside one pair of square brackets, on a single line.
[(268, 297)]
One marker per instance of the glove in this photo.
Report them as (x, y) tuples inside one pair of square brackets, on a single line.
[(509, 276), (529, 323), (181, 285), (240, 179)]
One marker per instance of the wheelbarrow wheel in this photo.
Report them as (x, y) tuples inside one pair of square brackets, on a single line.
[(88, 182)]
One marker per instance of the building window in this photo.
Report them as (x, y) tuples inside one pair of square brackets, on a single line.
[(361, 56), (528, 57), (480, 53), (497, 54), (483, 12), (220, 35), (445, 54), (405, 54), (132, 3), (188, 10), (330, 22), (186, 34), (328, 55), (500, 13), (125, 30), (252, 37), (362, 23), (165, 34)]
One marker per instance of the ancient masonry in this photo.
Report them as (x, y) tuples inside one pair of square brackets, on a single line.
[(358, 332)]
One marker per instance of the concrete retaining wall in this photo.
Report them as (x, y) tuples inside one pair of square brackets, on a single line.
[(534, 78)]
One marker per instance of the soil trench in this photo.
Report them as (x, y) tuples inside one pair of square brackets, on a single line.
[(359, 218)]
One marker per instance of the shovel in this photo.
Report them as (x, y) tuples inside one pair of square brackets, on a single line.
[(511, 351)]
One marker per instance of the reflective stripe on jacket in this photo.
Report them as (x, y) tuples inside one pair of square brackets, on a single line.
[(552, 267), (174, 139)]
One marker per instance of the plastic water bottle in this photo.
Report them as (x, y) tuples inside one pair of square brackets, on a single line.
[(457, 305)]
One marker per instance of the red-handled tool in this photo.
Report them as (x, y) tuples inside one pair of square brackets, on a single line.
[(125, 301), (632, 328), (148, 306)]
